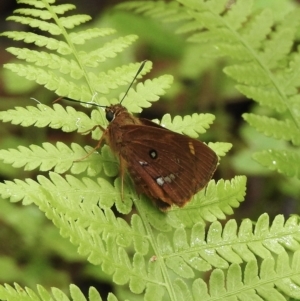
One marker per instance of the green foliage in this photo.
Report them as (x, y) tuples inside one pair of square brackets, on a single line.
[(262, 46), (18, 293), (165, 256), (189, 125)]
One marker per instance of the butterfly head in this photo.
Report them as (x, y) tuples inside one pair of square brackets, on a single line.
[(111, 112)]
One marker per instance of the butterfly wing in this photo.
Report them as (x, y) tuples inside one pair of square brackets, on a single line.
[(168, 167)]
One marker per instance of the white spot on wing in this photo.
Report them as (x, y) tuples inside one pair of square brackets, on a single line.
[(160, 181), (168, 179)]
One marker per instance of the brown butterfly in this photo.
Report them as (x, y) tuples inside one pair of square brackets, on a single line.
[(166, 166)]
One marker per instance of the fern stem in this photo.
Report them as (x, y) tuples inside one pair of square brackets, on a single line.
[(164, 270)]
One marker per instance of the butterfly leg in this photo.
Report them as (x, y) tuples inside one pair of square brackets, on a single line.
[(93, 128), (122, 171), (98, 144)]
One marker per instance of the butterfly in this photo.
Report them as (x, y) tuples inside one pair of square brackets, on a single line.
[(166, 166)]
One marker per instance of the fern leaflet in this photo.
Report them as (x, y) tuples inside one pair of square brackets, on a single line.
[(7, 292)]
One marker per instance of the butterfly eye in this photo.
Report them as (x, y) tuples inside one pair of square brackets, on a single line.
[(110, 116)]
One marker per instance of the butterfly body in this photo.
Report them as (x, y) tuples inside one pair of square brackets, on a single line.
[(166, 166)]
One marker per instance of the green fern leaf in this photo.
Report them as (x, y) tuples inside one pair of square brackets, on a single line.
[(248, 73), (34, 23), (167, 12), (284, 161), (74, 87), (182, 290), (247, 284), (141, 243), (154, 291), (209, 204), (42, 14), (39, 40), (112, 79), (62, 8), (285, 130), (278, 47), (291, 82), (9, 293), (90, 33), (35, 3), (47, 78), (259, 28), (68, 119), (191, 26), (72, 21), (41, 58), (109, 50), (189, 125), (266, 97), (47, 157), (238, 14), (220, 148), (19, 190), (147, 92), (228, 245)]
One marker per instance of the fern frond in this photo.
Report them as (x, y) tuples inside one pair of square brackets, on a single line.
[(114, 78), (19, 190), (44, 59), (286, 162), (264, 96), (222, 246), (47, 78), (101, 237), (19, 293), (34, 23), (48, 157), (271, 127), (44, 15), (168, 12), (66, 118), (90, 33), (105, 252), (41, 41), (82, 85), (263, 49), (109, 50), (73, 21), (147, 92), (210, 204), (189, 125), (78, 200), (220, 148), (269, 281)]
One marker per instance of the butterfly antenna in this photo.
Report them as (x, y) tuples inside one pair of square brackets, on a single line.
[(97, 105), (78, 101), (136, 75)]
